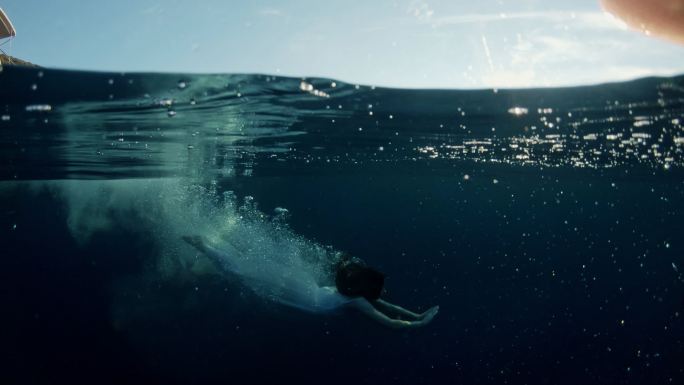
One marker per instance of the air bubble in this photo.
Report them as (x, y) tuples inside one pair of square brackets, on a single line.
[(38, 108)]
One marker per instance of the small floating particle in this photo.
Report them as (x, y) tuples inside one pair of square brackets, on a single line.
[(182, 84), (466, 177), (38, 108), (307, 87), (171, 113), (518, 111)]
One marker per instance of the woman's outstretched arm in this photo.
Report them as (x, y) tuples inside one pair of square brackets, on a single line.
[(368, 309), (390, 307)]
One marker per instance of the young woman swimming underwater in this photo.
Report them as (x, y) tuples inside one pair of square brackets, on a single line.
[(356, 285)]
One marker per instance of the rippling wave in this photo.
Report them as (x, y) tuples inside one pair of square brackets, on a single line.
[(62, 124)]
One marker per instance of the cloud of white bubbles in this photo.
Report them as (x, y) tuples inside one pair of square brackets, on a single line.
[(268, 251), (171, 209)]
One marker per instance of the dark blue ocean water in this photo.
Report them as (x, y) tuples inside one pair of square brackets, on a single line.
[(545, 223)]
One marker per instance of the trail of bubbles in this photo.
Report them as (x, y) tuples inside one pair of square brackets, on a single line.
[(269, 254)]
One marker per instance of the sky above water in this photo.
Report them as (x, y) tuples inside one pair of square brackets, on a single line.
[(403, 43)]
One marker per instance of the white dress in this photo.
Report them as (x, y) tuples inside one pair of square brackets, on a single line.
[(287, 283), (318, 299)]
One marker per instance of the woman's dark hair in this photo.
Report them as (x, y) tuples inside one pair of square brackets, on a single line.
[(354, 279)]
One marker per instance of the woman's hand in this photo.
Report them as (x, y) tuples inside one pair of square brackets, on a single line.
[(427, 316)]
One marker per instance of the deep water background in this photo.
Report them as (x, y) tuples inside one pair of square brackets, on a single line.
[(546, 271)]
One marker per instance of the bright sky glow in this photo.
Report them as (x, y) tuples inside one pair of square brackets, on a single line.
[(402, 43)]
